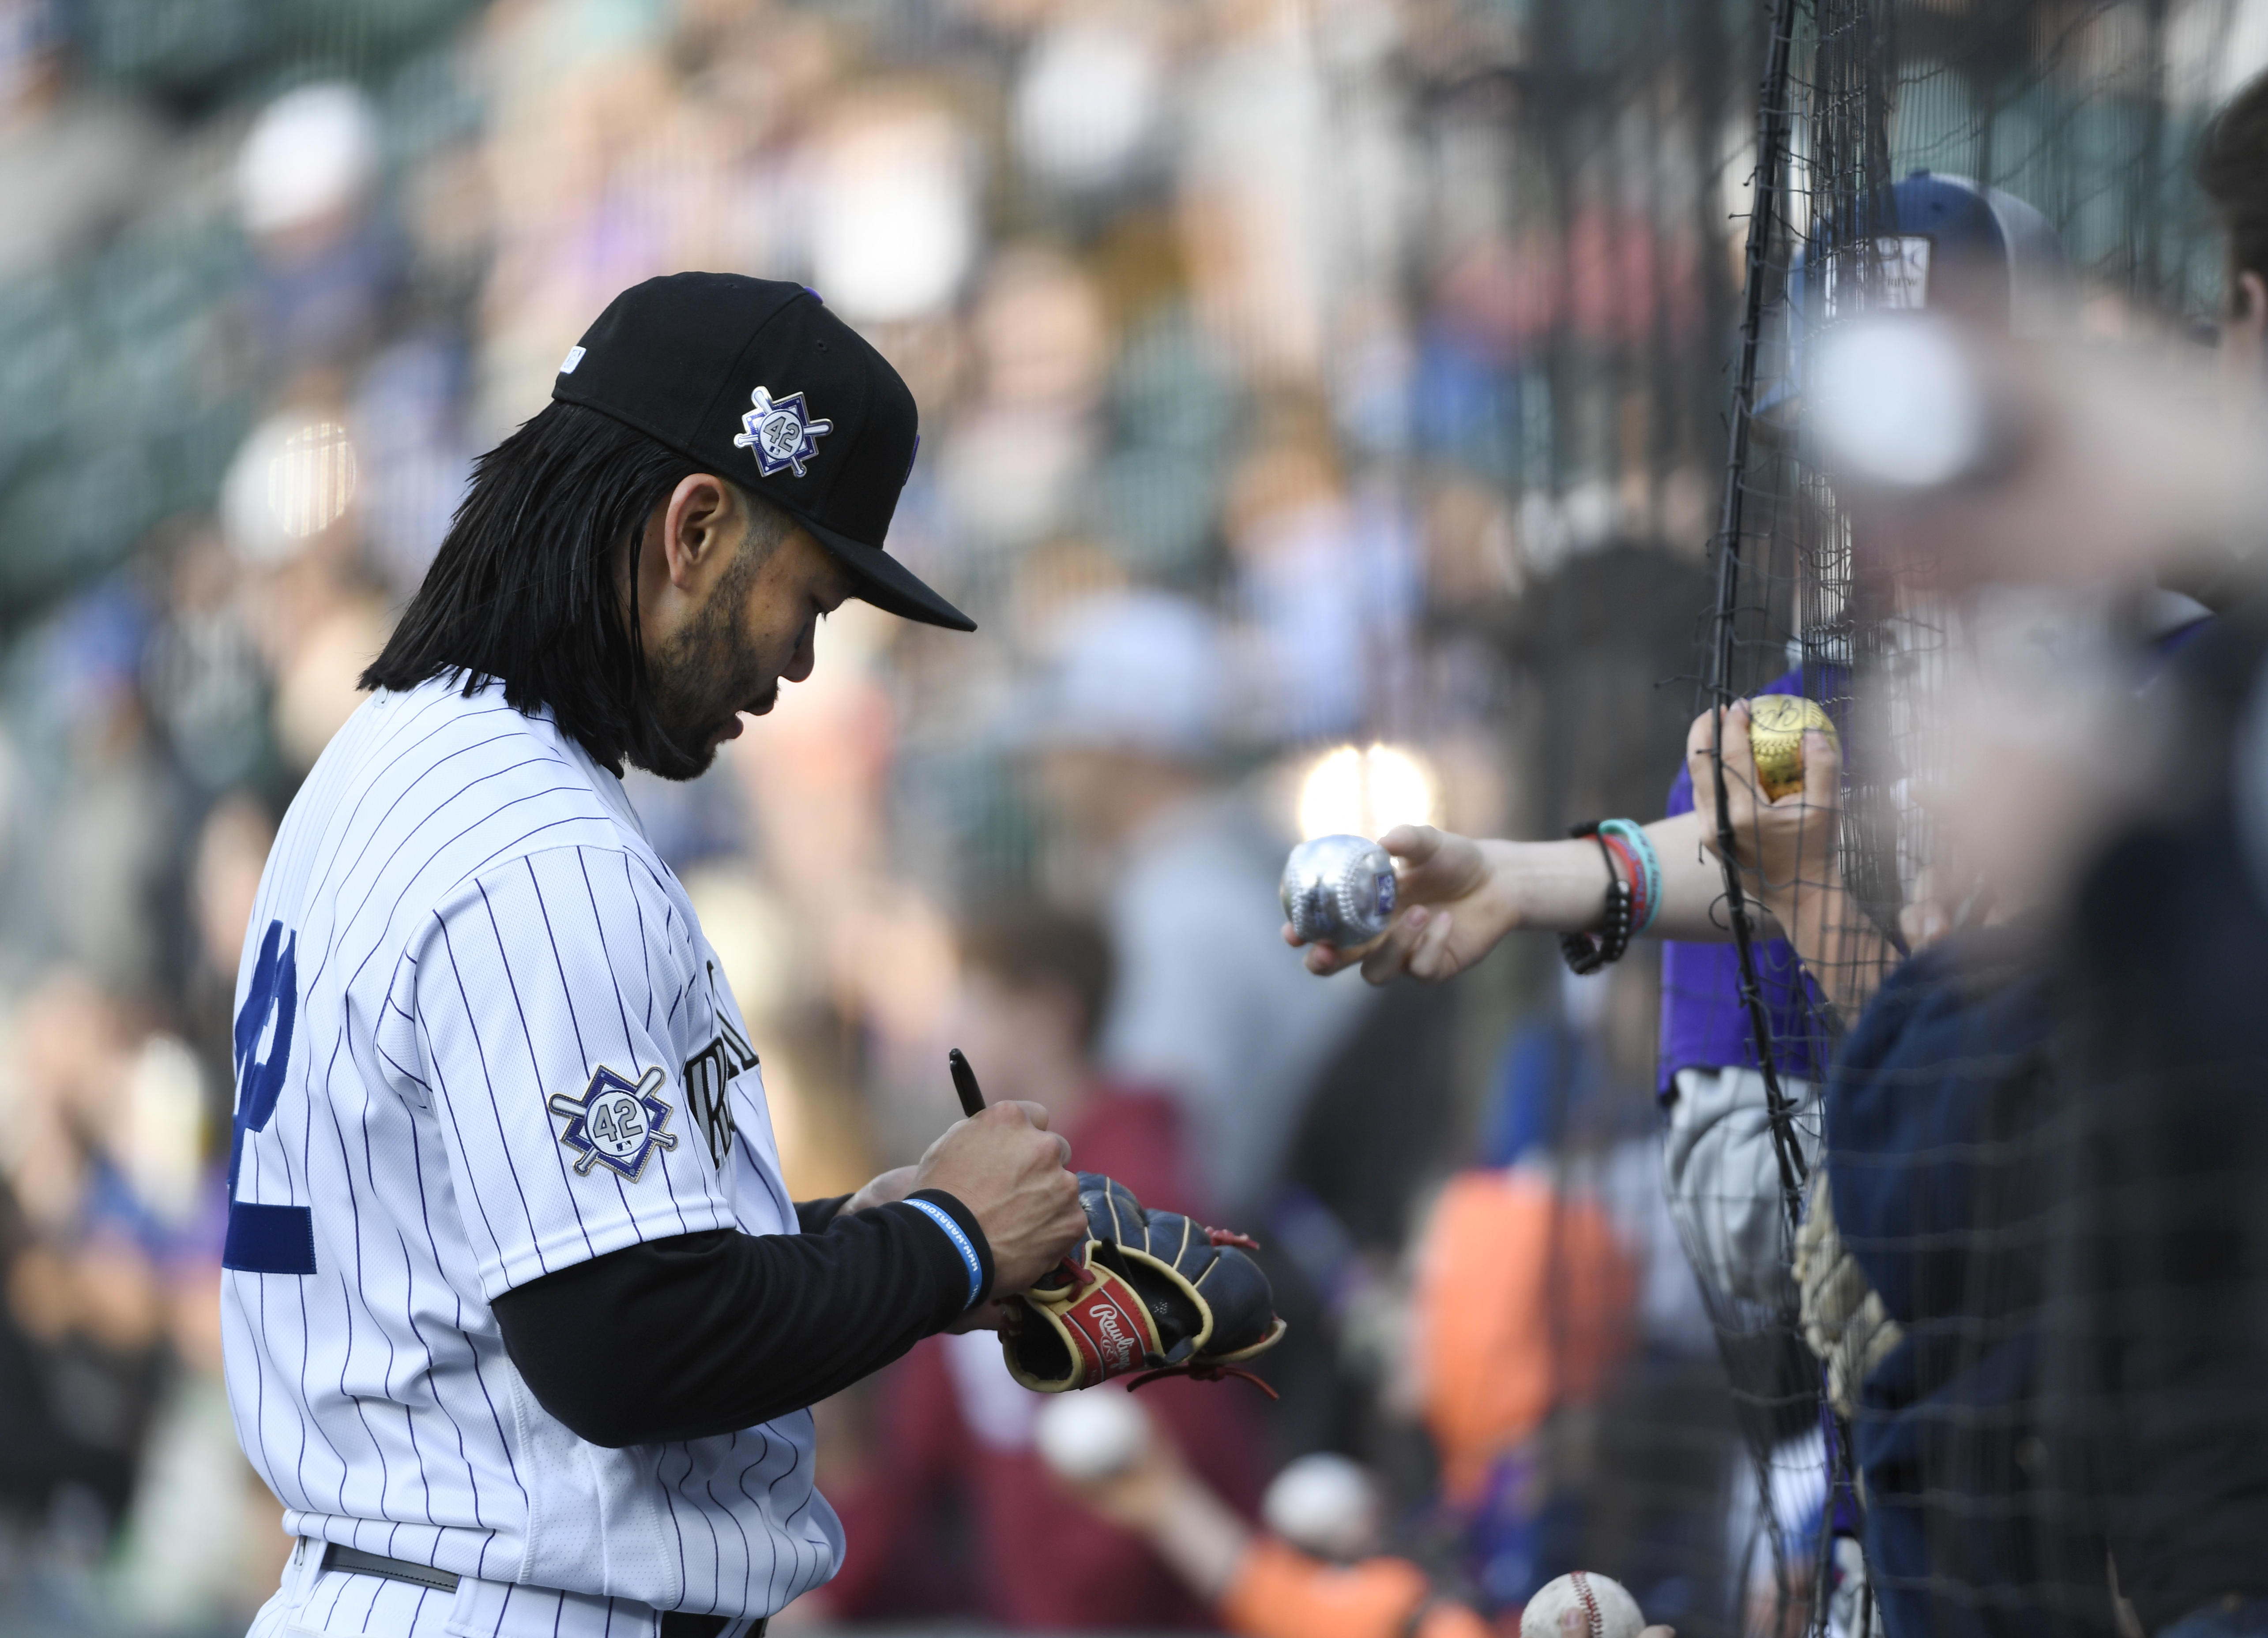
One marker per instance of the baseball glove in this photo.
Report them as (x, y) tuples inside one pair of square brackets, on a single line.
[(1151, 1291)]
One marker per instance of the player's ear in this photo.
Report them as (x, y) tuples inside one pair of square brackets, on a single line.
[(702, 522)]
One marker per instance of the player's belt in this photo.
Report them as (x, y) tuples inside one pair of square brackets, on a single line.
[(357, 1563), (353, 1562)]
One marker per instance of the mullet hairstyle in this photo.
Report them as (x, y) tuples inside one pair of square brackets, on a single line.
[(524, 591)]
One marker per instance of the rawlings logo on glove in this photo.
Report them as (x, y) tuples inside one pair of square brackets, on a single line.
[(1151, 1291)]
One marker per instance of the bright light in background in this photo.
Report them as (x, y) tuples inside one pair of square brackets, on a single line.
[(310, 156), (310, 479), (1087, 102), (1365, 793), (896, 225), (293, 478)]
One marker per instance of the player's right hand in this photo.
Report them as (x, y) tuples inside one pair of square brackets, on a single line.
[(1014, 1173), (1448, 919)]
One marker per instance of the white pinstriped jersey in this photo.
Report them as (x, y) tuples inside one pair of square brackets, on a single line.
[(480, 1037)]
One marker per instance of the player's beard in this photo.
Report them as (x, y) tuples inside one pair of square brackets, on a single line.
[(707, 675)]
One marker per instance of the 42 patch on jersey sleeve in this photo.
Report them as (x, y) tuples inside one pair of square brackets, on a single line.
[(615, 1123)]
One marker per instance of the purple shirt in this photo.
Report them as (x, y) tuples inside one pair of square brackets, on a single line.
[(1703, 1024)]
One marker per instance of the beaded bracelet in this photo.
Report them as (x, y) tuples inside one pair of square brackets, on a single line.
[(1587, 953), (1631, 871), (1646, 876)]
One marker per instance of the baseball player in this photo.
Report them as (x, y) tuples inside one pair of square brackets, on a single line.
[(521, 1323)]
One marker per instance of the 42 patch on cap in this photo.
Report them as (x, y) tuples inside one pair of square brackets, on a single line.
[(780, 431)]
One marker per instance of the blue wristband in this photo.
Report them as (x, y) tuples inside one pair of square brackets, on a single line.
[(1632, 836), (943, 1218)]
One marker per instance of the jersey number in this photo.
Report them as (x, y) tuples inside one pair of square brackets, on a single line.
[(266, 1238), (274, 994), (617, 1122)]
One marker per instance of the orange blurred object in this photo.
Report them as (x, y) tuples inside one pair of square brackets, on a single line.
[(1282, 1593), (1524, 1304)]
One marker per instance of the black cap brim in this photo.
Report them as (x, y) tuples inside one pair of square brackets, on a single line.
[(887, 583)]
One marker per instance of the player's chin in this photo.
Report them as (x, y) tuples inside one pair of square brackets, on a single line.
[(732, 725)]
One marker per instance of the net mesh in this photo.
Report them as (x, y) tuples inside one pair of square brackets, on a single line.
[(1959, 1139)]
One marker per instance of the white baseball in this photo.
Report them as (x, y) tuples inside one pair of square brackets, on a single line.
[(1581, 1604), (1323, 1504), (1088, 1436)]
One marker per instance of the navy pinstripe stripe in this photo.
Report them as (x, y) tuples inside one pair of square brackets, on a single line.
[(795, 1548), (510, 1465), (771, 1542), (709, 1523), (322, 889), (332, 885), (410, 1422), (410, 1312), (535, 1062), (559, 962), (299, 1288), (473, 1027), (346, 1354), (408, 1418), (473, 1480), (567, 991), (669, 1501), (615, 982), (450, 1103)]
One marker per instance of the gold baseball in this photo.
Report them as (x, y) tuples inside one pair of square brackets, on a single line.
[(1777, 724)]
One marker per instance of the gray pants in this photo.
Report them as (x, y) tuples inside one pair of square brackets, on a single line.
[(1723, 1177)]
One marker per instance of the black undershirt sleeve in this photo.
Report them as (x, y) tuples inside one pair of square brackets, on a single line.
[(708, 1333), (813, 1215)]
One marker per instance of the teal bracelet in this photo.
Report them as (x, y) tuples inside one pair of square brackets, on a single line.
[(1632, 836)]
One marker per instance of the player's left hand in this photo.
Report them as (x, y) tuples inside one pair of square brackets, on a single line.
[(1786, 846), (894, 1185)]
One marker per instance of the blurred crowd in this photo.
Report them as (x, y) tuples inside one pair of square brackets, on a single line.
[(1219, 331), (1299, 482)]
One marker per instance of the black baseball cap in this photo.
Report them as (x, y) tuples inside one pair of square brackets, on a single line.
[(757, 380)]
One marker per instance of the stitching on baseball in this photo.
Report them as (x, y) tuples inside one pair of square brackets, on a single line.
[(1598, 1626)]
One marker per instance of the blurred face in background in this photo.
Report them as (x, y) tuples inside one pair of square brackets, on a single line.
[(1101, 794), (1024, 1042), (232, 852), (1033, 982)]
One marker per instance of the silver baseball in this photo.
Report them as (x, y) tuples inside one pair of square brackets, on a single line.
[(1338, 890)]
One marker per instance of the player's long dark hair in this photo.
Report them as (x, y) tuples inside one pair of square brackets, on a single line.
[(523, 590)]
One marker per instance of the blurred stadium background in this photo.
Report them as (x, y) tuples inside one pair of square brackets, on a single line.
[(1367, 361)]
